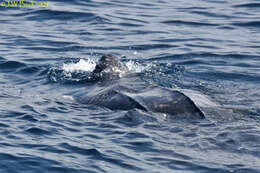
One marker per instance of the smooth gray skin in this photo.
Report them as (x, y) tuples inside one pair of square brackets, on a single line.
[(151, 99), (126, 95)]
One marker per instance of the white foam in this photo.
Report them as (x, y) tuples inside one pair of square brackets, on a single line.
[(68, 97), (89, 65), (82, 65)]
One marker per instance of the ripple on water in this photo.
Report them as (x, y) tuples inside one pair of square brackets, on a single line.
[(38, 131), (208, 46), (10, 65), (248, 5)]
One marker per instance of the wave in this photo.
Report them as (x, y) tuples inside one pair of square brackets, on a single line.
[(247, 24), (189, 23), (50, 14), (248, 5), (11, 65)]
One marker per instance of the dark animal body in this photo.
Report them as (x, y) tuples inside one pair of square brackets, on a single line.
[(138, 95), (109, 62)]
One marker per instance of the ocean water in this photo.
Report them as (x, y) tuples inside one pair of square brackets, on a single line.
[(47, 55)]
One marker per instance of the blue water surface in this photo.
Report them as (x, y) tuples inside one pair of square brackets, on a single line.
[(208, 46)]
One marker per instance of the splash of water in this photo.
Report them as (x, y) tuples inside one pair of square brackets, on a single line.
[(135, 67), (87, 65)]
